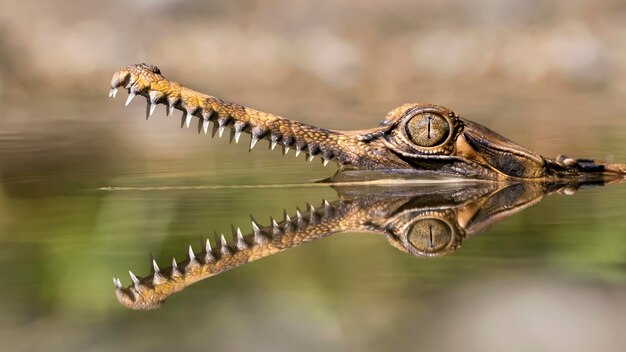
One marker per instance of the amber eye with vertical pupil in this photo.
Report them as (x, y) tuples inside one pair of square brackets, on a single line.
[(428, 129), (429, 235)]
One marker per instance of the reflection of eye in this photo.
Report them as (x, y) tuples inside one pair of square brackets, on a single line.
[(429, 235), (428, 129)]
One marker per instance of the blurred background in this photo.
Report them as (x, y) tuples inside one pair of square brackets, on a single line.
[(548, 74)]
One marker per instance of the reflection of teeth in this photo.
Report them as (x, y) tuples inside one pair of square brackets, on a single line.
[(241, 243), (155, 266), (207, 261), (190, 253), (134, 278), (275, 227), (175, 271), (208, 257), (224, 249)]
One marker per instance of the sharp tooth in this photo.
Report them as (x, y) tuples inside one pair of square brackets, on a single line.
[(298, 214), (114, 95), (188, 119), (310, 157), (134, 278), (311, 208), (298, 152), (175, 270), (325, 161), (325, 202), (259, 238), (237, 135), (241, 242), (258, 234), (225, 250), (287, 217), (131, 95), (275, 228), (285, 149), (220, 131), (273, 144), (152, 108), (208, 257), (207, 246), (205, 126), (192, 256), (253, 142), (255, 227), (170, 110), (112, 92), (155, 266), (117, 283)]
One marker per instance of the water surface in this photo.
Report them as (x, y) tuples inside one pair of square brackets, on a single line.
[(85, 201)]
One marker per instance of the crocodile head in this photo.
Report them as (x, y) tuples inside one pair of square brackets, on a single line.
[(414, 139)]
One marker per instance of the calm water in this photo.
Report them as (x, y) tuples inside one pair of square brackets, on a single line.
[(86, 200)]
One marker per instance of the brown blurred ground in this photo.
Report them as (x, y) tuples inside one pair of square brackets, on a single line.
[(367, 48)]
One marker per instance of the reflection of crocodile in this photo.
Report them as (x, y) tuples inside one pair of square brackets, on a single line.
[(423, 221), (414, 138)]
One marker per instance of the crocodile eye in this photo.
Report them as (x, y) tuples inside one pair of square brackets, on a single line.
[(429, 235), (428, 129)]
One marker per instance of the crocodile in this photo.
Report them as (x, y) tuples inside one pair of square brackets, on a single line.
[(412, 140), (423, 221)]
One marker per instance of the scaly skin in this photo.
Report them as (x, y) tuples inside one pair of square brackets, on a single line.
[(414, 139), (422, 221)]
